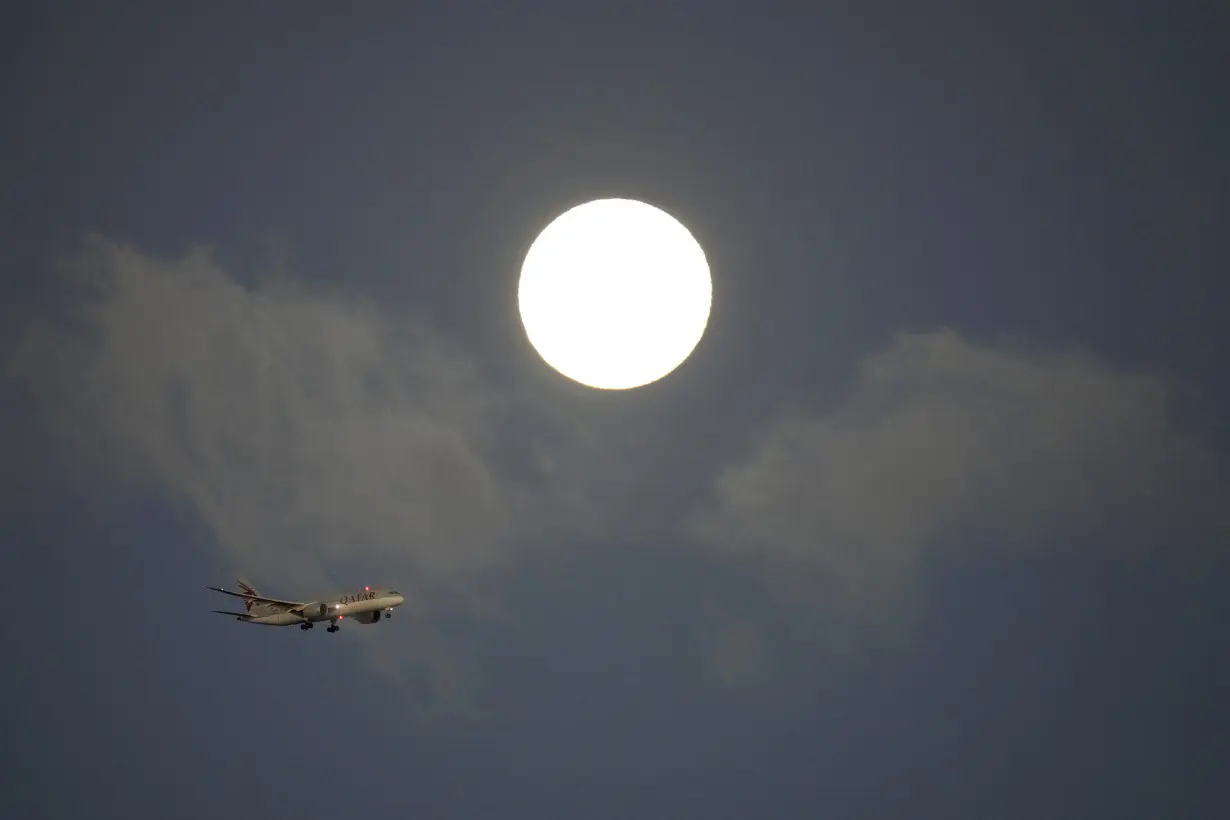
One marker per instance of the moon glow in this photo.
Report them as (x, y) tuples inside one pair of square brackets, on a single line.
[(615, 294)]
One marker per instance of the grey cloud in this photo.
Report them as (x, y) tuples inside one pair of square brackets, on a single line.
[(942, 441), (309, 429), (314, 431)]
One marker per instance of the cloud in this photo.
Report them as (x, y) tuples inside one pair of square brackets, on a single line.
[(309, 429), (315, 433), (942, 442)]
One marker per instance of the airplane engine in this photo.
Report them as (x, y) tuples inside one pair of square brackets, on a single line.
[(368, 617), (316, 611)]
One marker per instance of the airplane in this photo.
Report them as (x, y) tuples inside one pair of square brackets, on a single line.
[(367, 607)]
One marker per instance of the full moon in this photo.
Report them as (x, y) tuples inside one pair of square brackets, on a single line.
[(615, 294)]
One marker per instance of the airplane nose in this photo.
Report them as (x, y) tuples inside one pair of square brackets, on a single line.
[(398, 600)]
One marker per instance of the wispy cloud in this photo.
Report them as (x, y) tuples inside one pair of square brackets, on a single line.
[(306, 428), (940, 442), (316, 433)]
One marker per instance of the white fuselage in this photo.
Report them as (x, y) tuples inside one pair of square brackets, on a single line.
[(333, 609)]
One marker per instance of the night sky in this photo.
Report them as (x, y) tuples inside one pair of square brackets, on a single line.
[(932, 524)]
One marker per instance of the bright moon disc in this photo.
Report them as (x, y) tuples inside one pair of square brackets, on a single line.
[(615, 294)]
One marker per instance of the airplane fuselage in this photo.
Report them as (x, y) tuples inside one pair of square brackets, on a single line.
[(354, 605)]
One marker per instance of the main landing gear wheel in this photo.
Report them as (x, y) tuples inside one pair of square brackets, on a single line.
[(307, 625), (333, 628)]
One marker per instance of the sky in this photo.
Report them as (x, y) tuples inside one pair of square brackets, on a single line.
[(933, 523)]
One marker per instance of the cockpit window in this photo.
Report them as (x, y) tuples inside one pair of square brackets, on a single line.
[(394, 592)]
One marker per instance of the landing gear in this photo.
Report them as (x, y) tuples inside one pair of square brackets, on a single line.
[(305, 626), (388, 613), (333, 628)]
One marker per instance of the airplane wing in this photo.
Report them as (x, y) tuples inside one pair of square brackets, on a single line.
[(260, 599), (236, 614)]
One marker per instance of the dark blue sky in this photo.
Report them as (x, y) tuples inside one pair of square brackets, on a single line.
[(933, 523)]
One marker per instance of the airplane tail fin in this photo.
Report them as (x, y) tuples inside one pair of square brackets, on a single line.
[(248, 589)]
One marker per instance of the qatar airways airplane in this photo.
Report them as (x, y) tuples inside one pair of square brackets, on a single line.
[(366, 607)]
